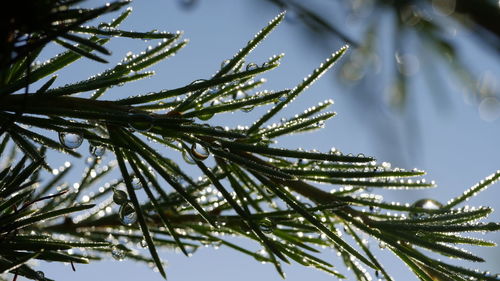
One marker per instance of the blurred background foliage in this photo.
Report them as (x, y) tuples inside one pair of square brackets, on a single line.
[(447, 47)]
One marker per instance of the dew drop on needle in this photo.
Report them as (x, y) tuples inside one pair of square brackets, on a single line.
[(70, 140)]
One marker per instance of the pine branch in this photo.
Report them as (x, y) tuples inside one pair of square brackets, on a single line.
[(249, 187)]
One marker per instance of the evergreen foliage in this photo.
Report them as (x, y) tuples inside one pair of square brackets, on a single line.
[(250, 188)]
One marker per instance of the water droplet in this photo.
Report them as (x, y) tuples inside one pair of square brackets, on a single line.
[(247, 108), (97, 150), (429, 204), (168, 139), (123, 69), (140, 121), (302, 161), (215, 102), (268, 192), (197, 81), (212, 91), (374, 210), (205, 117), (262, 256), (127, 214), (70, 140), (386, 165), (252, 66), (382, 245), (136, 183), (104, 27), (117, 253), (216, 244), (120, 197), (239, 95), (224, 63), (143, 243), (267, 226), (199, 152), (187, 157), (40, 275), (190, 249)]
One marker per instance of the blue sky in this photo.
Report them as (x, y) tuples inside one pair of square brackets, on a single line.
[(455, 146)]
